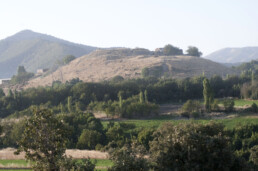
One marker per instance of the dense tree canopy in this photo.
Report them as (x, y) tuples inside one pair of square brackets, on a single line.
[(193, 51), (44, 141), (172, 50), (191, 147)]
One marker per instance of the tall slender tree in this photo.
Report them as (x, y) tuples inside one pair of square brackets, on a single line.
[(146, 96), (120, 97), (207, 95), (141, 98), (69, 104)]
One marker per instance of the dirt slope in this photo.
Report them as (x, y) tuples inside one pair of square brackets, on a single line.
[(104, 64)]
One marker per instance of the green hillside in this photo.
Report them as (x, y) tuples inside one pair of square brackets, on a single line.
[(34, 51)]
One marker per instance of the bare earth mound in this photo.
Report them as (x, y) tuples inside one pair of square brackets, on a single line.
[(105, 64)]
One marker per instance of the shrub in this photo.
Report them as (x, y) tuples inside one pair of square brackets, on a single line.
[(88, 139), (254, 155), (228, 105), (196, 115), (129, 159), (185, 115), (145, 136), (254, 108), (78, 165), (191, 106), (215, 105), (98, 147)]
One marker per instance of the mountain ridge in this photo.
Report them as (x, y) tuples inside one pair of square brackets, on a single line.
[(234, 55), (35, 50)]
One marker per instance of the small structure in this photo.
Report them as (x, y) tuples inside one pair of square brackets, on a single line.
[(5, 81), (41, 71), (159, 51)]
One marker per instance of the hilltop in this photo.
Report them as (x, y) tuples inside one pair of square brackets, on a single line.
[(234, 55), (103, 65), (34, 51)]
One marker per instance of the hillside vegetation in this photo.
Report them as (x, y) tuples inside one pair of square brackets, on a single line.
[(35, 51)]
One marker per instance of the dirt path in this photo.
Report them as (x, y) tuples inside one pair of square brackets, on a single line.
[(167, 109)]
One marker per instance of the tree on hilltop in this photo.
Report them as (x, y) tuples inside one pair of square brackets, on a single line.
[(172, 50), (193, 51)]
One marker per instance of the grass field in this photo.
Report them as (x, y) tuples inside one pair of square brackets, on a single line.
[(100, 163), (156, 122), (243, 102)]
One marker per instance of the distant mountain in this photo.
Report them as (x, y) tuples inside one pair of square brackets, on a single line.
[(35, 51), (234, 55), (103, 65)]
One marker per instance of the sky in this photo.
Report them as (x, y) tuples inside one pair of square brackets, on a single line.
[(209, 25)]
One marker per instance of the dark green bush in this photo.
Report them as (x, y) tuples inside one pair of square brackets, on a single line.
[(228, 105)]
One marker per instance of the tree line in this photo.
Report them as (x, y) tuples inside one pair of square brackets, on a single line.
[(76, 95)]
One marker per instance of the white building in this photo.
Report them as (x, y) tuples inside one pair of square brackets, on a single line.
[(5, 81)]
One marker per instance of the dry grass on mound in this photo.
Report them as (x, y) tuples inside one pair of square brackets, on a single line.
[(8, 154)]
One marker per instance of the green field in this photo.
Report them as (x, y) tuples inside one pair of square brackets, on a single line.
[(22, 163), (243, 102), (156, 122)]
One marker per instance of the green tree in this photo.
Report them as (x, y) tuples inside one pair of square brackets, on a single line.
[(22, 76), (79, 165), (141, 98), (69, 104), (120, 97), (193, 51), (145, 72), (10, 93), (191, 106), (89, 139), (2, 94), (21, 70), (44, 141), (207, 95), (253, 78), (172, 50), (254, 154), (145, 136), (62, 108), (79, 106), (117, 78), (67, 59), (191, 147), (146, 96), (228, 105), (128, 159)]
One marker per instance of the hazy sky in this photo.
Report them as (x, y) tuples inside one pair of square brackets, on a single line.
[(208, 24)]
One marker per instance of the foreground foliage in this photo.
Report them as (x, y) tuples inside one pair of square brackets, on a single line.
[(192, 147), (44, 141)]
